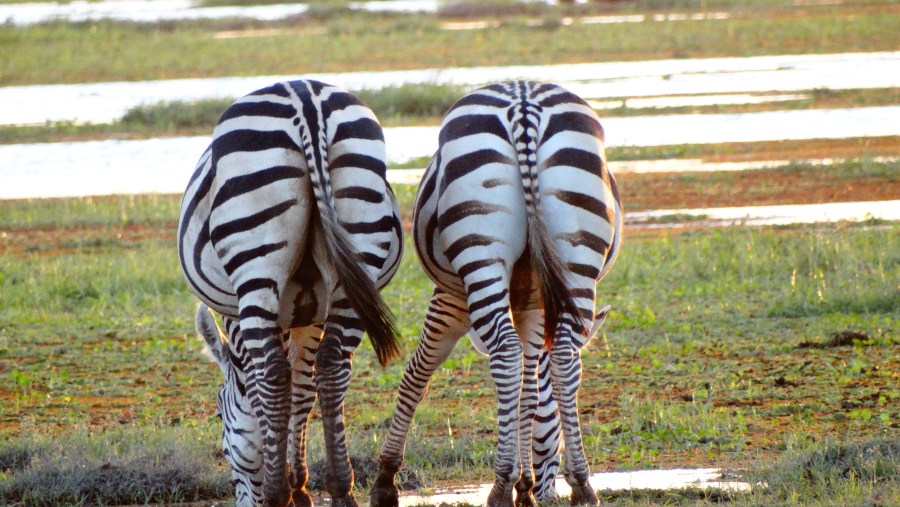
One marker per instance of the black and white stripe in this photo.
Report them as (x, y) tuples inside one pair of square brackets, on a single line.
[(516, 220), (288, 229)]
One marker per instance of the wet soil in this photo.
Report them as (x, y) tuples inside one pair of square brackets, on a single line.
[(803, 185), (751, 188), (805, 149)]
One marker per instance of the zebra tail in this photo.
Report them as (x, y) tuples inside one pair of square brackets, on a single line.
[(545, 259), (363, 295)]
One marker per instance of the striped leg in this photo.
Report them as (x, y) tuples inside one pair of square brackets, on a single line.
[(343, 333), (547, 435), (565, 369), (547, 424), (270, 378), (489, 309), (445, 322), (304, 342), (530, 328)]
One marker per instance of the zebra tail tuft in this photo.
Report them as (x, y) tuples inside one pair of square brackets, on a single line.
[(545, 258), (554, 290), (362, 293)]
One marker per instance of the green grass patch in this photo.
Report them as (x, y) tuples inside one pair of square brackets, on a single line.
[(107, 211), (173, 116), (720, 343), (112, 51), (411, 101), (833, 472)]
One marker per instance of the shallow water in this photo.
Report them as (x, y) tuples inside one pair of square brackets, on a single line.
[(782, 214), (643, 479), (144, 11), (106, 102), (138, 10), (165, 164), (160, 10)]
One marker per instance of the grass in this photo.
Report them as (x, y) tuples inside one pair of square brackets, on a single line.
[(108, 212), (111, 51), (829, 472), (113, 468), (715, 359)]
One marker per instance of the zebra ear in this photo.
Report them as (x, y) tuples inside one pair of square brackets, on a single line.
[(477, 343), (599, 317), (211, 334)]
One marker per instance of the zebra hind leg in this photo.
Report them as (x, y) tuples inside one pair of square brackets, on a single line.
[(303, 396), (445, 322), (565, 369), (333, 370), (547, 435), (506, 371), (529, 327), (271, 375)]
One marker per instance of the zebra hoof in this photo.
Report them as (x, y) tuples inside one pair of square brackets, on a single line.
[(384, 494), (281, 499), (525, 493), (526, 500), (500, 498), (302, 498), (583, 494), (344, 501)]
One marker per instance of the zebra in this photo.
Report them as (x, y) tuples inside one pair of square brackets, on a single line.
[(515, 221), (288, 229)]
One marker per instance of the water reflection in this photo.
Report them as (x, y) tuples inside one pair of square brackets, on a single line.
[(643, 479)]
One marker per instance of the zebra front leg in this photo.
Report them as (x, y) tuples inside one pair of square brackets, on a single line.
[(565, 369), (445, 322), (333, 370), (304, 343)]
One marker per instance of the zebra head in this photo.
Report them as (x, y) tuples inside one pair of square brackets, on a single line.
[(241, 437)]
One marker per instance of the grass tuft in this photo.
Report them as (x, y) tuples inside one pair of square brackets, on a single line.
[(116, 467), (411, 100), (836, 473), (176, 115)]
